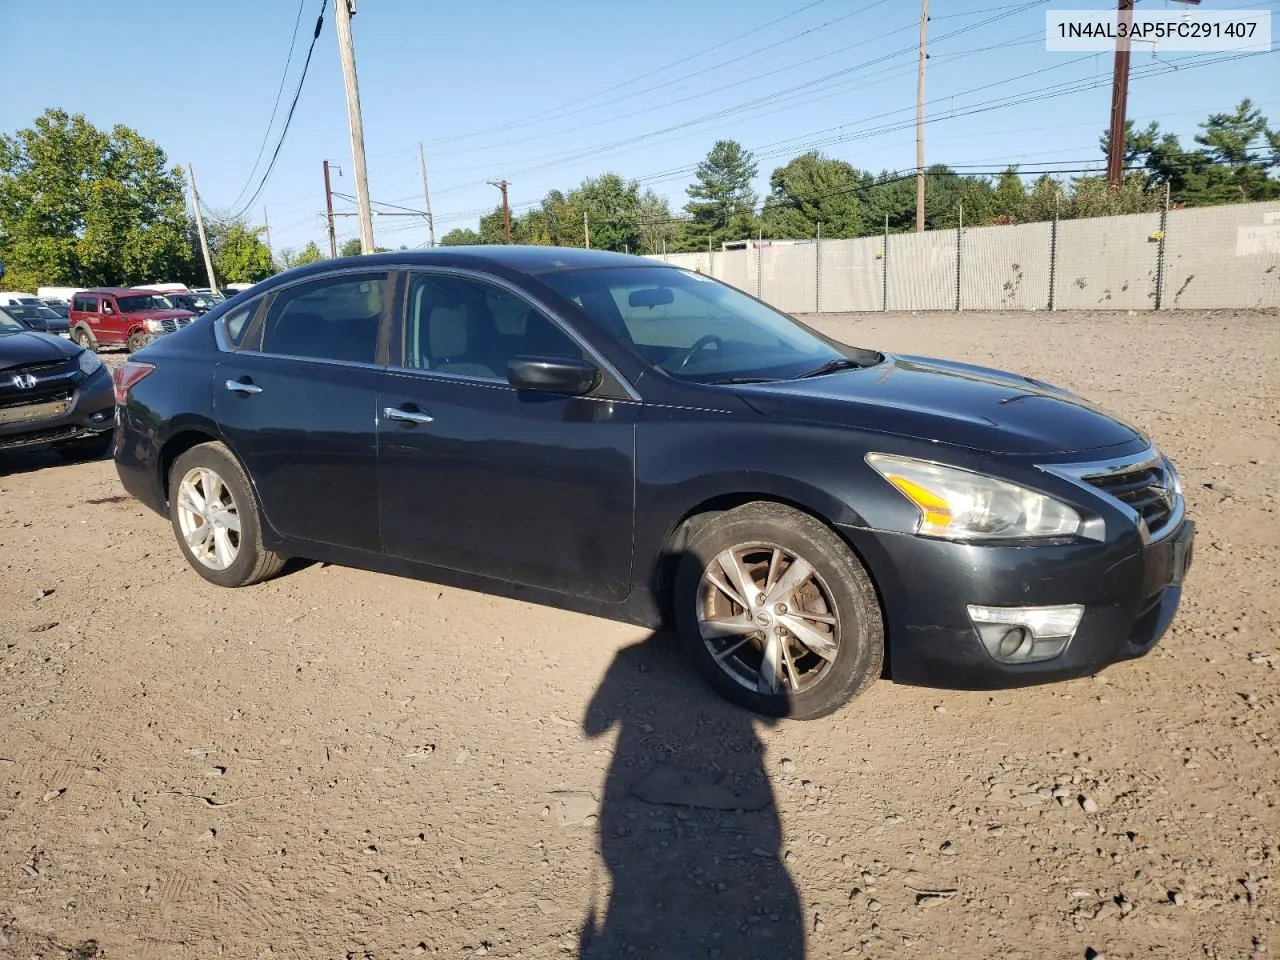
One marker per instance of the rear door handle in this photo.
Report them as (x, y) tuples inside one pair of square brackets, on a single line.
[(236, 386), (406, 416)]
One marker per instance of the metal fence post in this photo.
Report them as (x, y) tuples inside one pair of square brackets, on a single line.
[(959, 252), (1053, 253), (759, 273), (884, 267), (817, 270), (1164, 223)]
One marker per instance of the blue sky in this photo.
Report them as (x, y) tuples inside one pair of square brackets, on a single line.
[(548, 93)]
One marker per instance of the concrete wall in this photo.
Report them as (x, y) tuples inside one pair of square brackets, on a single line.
[(1226, 256)]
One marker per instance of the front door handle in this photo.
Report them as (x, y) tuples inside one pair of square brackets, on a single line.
[(406, 416), (236, 386)]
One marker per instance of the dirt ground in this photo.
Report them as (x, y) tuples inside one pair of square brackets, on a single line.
[(343, 764)]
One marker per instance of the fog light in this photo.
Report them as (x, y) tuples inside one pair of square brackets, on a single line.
[(1026, 634)]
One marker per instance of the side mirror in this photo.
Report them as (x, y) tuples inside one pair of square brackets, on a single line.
[(552, 375)]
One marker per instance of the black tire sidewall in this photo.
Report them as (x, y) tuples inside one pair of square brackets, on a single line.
[(861, 654), (217, 458)]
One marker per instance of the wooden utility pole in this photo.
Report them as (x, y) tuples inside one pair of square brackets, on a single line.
[(204, 241), (266, 225), (1119, 99), (586, 229), (426, 195), (924, 36), (346, 49), (506, 210), (328, 205)]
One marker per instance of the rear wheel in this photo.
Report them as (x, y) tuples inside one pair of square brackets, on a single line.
[(94, 446), (777, 613), (216, 520)]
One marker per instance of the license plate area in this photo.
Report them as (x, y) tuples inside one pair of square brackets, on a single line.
[(33, 411)]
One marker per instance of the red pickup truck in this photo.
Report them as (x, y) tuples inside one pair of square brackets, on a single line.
[(123, 315)]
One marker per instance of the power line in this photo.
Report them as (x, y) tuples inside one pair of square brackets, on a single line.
[(284, 132), (284, 75)]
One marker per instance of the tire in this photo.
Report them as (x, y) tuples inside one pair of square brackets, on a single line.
[(212, 468), (85, 339), (834, 607), (137, 341), (95, 446)]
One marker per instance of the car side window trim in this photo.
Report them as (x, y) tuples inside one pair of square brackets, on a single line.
[(401, 332)]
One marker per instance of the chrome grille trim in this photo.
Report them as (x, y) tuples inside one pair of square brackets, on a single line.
[(1139, 481)]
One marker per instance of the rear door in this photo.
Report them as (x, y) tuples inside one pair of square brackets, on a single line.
[(474, 475), (298, 406)]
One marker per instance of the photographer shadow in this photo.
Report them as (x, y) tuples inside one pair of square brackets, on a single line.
[(689, 830)]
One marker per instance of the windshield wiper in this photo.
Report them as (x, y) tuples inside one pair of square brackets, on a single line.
[(748, 380), (831, 366)]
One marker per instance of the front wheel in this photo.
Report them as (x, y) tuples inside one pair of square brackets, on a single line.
[(84, 339), (137, 341), (216, 520), (777, 613)]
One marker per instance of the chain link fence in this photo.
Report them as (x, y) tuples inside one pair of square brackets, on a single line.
[(1203, 258)]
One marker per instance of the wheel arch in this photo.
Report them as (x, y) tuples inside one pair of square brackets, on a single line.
[(694, 517)]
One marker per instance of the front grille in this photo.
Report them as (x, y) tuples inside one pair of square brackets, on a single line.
[(1148, 490), (52, 435), (27, 398), (171, 326)]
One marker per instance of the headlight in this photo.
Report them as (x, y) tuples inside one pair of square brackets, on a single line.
[(89, 362), (958, 504), (153, 326)]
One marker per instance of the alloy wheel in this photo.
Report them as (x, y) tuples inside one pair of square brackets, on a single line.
[(768, 618), (209, 518)]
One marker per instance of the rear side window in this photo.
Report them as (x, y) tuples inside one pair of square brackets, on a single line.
[(87, 304), (332, 319), (236, 323)]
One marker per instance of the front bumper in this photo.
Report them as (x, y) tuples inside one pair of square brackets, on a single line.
[(1130, 591), (91, 411)]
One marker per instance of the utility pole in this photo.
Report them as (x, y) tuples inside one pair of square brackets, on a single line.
[(328, 203), (924, 36), (506, 210), (204, 241), (266, 225), (346, 49), (1119, 98), (586, 229), (426, 195)]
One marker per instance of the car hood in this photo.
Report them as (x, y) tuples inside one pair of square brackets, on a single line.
[(953, 403), (20, 349)]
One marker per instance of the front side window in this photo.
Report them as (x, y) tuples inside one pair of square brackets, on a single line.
[(331, 319), (8, 324), (693, 327), (473, 328)]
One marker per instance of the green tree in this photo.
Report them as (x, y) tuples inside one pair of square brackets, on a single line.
[(612, 206), (1094, 197), (350, 248), (241, 257), (311, 253), (1045, 200), (460, 237), (811, 190), (657, 228), (79, 205), (721, 202), (1009, 199)]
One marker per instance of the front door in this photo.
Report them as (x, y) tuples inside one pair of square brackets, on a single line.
[(300, 411), (474, 475)]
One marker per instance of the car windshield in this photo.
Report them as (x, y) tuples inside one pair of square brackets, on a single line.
[(693, 327), (9, 325), (25, 311), (137, 304)]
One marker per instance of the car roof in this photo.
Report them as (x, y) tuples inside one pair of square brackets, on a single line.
[(118, 291), (526, 259)]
